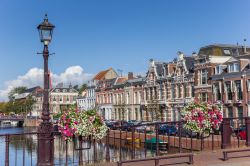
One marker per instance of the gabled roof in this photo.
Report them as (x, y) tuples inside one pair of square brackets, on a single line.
[(224, 45), (136, 81), (232, 59), (100, 75), (120, 80), (30, 90), (63, 90), (243, 57)]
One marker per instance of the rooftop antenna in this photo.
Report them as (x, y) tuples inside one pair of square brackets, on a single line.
[(120, 72)]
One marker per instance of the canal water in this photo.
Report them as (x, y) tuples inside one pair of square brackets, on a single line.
[(22, 150)]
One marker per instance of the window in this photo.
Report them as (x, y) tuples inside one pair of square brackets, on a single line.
[(240, 113), (193, 91), (248, 85), (173, 115), (229, 91), (218, 69), (172, 91), (160, 91), (185, 90), (235, 67), (203, 97), (230, 112), (226, 51), (179, 91), (238, 90), (217, 92), (202, 60), (203, 76)]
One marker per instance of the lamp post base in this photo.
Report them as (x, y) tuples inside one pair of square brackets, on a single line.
[(45, 144)]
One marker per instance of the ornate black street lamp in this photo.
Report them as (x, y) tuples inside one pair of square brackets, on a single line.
[(45, 135)]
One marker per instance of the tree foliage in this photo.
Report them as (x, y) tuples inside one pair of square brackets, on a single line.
[(17, 106), (82, 88)]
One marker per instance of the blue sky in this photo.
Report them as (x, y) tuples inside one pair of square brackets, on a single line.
[(123, 34)]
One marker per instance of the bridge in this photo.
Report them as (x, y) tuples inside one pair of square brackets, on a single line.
[(11, 120)]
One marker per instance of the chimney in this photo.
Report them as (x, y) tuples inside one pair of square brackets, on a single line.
[(130, 75), (245, 47)]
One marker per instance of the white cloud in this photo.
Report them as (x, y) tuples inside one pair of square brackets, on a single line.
[(34, 77)]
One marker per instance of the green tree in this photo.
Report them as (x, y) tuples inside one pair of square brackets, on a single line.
[(3, 107), (82, 88), (16, 90)]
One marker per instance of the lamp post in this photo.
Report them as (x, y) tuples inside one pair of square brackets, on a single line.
[(45, 136)]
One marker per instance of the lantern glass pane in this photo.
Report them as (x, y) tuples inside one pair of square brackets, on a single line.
[(46, 35)]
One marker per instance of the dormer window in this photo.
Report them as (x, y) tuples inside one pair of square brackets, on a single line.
[(234, 67), (202, 60), (218, 69)]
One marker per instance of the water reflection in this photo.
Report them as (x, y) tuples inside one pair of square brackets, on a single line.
[(22, 150)]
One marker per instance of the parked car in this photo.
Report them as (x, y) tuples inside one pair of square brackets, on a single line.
[(241, 132), (118, 124), (187, 133), (144, 127), (240, 129), (167, 129), (109, 123), (128, 126)]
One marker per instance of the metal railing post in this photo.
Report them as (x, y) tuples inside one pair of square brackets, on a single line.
[(66, 153), (80, 147), (180, 128), (107, 147), (120, 148), (7, 141), (247, 121), (133, 142), (157, 138), (226, 133)]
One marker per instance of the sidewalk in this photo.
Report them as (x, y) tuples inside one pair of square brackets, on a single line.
[(200, 159)]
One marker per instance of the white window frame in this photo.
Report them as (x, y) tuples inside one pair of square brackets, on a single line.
[(205, 76)]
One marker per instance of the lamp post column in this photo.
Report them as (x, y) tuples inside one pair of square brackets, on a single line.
[(45, 135)]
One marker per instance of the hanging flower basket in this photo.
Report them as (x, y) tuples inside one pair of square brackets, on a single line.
[(82, 123), (202, 117)]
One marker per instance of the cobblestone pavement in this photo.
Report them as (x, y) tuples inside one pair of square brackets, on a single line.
[(200, 159)]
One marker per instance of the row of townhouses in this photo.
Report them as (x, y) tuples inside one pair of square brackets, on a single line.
[(60, 99), (218, 73)]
